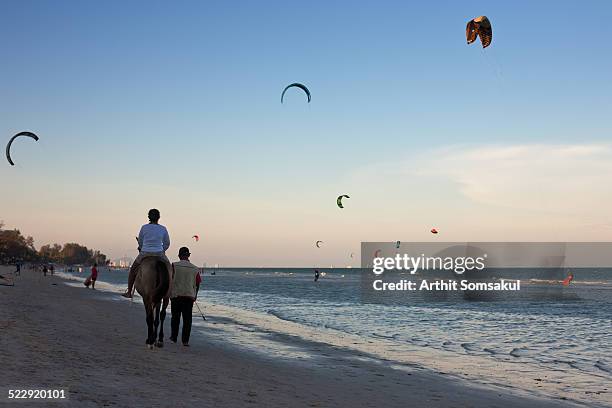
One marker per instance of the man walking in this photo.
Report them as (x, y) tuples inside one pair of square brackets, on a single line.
[(186, 284)]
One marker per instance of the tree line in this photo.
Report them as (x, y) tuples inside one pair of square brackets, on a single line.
[(14, 247)]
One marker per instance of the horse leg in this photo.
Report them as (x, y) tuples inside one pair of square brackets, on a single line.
[(155, 323), (157, 313), (151, 333), (162, 316)]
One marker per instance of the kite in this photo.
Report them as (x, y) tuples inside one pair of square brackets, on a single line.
[(479, 27), (8, 146), (434, 231), (317, 244), (339, 200), (196, 237), (302, 87), (352, 254)]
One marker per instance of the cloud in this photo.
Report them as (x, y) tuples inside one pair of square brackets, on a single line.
[(559, 179)]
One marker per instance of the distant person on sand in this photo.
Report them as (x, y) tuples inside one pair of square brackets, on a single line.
[(91, 279), (52, 269), (185, 286), (45, 270), (94, 275), (18, 269), (153, 240)]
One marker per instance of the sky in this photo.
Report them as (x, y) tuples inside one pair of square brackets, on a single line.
[(176, 106)]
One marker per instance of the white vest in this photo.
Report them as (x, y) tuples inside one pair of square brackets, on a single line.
[(184, 282)]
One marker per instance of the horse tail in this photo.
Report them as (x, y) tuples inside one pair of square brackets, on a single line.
[(163, 281)]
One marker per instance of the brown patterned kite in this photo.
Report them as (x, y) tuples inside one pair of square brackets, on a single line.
[(479, 27)]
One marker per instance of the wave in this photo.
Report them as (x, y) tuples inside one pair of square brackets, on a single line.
[(519, 352), (574, 282), (382, 336), (279, 316), (470, 347), (603, 366)]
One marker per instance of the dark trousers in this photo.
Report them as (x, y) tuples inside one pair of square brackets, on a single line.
[(181, 306)]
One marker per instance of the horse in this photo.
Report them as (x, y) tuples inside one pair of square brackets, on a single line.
[(152, 283)]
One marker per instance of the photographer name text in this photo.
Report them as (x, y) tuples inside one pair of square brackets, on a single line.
[(446, 285)]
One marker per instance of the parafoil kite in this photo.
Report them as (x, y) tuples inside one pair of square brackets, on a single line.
[(8, 146), (339, 200), (318, 244), (196, 237), (352, 254), (434, 231), (302, 87), (479, 27)]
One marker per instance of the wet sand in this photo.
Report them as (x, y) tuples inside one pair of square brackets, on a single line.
[(91, 344)]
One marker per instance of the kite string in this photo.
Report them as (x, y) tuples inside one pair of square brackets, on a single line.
[(495, 66)]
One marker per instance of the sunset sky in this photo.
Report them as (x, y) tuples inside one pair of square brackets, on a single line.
[(176, 105)]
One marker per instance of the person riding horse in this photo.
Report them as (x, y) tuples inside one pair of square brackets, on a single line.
[(153, 240)]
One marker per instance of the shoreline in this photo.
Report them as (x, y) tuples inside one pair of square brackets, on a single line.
[(91, 343)]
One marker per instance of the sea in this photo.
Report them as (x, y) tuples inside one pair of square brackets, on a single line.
[(546, 328)]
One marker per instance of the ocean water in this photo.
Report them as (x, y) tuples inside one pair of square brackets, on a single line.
[(544, 328)]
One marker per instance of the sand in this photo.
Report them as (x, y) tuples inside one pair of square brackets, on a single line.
[(91, 344)]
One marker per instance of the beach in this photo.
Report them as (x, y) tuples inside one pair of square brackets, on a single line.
[(56, 334)]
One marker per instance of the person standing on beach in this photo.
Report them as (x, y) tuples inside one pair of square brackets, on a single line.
[(153, 240), (44, 268), (186, 284), (94, 275), (52, 269), (18, 268)]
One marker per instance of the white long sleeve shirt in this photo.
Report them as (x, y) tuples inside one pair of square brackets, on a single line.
[(153, 238)]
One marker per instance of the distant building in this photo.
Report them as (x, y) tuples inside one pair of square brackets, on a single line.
[(124, 262)]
